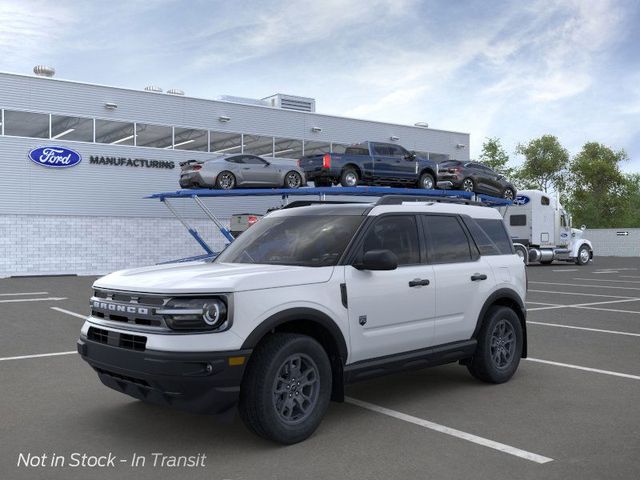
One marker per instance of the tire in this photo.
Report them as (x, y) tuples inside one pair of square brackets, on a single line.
[(468, 185), (292, 180), (349, 178), (488, 363), (508, 193), (426, 182), (263, 410), (522, 252), (584, 255), (225, 180)]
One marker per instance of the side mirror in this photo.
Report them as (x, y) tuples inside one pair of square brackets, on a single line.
[(410, 156), (378, 260), (583, 228)]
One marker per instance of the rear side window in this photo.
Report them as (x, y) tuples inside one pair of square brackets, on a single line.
[(359, 150), (398, 234), (497, 234), (448, 242), (518, 220)]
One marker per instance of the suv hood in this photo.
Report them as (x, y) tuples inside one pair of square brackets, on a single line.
[(205, 277)]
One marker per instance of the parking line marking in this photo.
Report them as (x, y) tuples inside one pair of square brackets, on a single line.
[(23, 293), (584, 305), (533, 457), (566, 270), (48, 299), (588, 286), (606, 280), (547, 304), (598, 330), (629, 276), (610, 310), (39, 355), (586, 369), (583, 294), (73, 314)]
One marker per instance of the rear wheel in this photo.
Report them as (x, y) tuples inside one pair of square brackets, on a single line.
[(426, 181), (468, 185), (349, 178), (286, 389), (293, 180), (499, 346), (225, 180), (584, 255)]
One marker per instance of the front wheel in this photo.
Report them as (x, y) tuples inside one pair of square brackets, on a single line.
[(499, 347), (508, 193), (426, 181), (225, 180), (293, 180), (468, 185), (584, 255), (286, 389)]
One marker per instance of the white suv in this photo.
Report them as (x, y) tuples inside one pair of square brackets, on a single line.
[(310, 299)]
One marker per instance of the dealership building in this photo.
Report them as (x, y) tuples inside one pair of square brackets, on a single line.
[(91, 217)]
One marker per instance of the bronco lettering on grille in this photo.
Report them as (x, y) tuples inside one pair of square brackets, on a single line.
[(114, 307)]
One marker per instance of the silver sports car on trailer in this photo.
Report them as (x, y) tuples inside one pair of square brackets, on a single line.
[(241, 170)]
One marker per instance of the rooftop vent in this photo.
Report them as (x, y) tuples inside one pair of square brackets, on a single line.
[(44, 71), (175, 91), (153, 88), (292, 102)]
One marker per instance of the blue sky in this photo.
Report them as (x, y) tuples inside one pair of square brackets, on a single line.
[(515, 70)]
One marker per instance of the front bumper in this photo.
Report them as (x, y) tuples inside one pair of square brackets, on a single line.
[(192, 381)]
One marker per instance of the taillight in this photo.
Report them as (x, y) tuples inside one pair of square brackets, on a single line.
[(326, 161), (298, 162), (251, 219)]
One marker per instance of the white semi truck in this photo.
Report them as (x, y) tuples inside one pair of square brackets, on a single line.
[(541, 230)]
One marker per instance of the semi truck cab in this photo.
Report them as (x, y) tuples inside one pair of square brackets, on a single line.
[(541, 230)]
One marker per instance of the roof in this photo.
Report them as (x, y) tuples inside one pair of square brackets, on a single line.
[(473, 211)]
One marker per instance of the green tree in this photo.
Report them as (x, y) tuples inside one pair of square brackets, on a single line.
[(600, 193), (495, 157), (545, 164)]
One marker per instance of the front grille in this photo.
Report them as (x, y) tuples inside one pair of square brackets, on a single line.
[(116, 339), (129, 308)]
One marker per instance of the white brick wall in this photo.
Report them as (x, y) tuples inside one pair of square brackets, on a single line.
[(46, 245), (607, 242)]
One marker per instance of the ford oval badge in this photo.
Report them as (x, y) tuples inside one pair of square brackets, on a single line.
[(55, 157), (521, 200)]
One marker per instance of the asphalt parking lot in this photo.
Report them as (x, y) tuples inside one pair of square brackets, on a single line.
[(571, 411)]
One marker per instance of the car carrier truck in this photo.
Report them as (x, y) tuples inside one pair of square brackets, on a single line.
[(541, 230)]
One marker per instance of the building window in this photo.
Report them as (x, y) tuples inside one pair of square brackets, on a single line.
[(287, 148), (71, 128), (115, 133), (225, 143), (26, 124), (257, 145), (190, 139), (316, 148), (156, 136)]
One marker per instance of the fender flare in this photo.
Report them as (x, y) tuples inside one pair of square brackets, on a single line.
[(580, 243), (293, 314), (511, 295)]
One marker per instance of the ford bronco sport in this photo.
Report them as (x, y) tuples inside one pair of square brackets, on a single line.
[(310, 299)]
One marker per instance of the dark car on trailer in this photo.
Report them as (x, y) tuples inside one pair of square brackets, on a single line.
[(476, 177), (371, 163)]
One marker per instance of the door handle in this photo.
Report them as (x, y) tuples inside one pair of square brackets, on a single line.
[(478, 276), (418, 282)]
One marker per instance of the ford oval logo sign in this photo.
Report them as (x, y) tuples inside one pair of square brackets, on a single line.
[(521, 200), (55, 157)]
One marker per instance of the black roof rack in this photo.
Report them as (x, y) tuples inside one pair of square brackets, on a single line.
[(399, 199)]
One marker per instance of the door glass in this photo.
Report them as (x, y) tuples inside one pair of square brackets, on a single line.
[(448, 241), (398, 234)]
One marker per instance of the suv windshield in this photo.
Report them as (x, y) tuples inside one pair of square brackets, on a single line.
[(310, 241)]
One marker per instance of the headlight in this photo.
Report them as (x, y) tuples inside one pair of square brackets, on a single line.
[(196, 314)]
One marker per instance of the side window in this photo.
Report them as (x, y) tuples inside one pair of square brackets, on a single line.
[(518, 220), (252, 160), (396, 151), (497, 233), (447, 239), (398, 234), (545, 200), (381, 149), (563, 220), (238, 159)]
